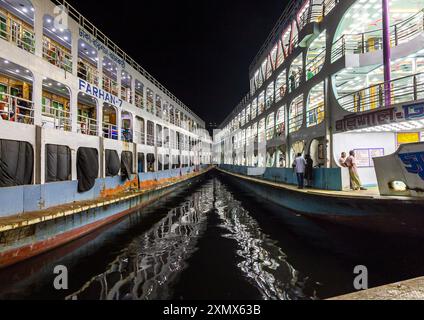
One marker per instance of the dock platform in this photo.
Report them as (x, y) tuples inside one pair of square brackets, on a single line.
[(406, 290)]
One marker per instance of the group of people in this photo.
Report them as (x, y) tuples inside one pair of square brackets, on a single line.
[(303, 167), (350, 163), (15, 109), (295, 77)]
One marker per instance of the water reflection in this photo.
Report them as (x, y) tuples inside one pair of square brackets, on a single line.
[(148, 267), (263, 261)]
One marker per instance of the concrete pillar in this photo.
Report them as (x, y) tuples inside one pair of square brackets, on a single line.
[(102, 160), (328, 125), (119, 110), (100, 68), (119, 122), (37, 97), (133, 90), (38, 30), (74, 109), (74, 52)]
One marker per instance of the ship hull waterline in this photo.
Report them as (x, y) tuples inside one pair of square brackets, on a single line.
[(379, 215)]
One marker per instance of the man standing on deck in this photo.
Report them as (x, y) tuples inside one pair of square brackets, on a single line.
[(342, 160), (355, 181), (299, 165)]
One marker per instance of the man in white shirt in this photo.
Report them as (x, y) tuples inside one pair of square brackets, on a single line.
[(299, 165)]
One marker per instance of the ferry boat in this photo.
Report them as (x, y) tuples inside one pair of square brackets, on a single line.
[(332, 77), (81, 123)]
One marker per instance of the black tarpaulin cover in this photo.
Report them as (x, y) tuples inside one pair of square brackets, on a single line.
[(126, 164), (58, 163), (87, 168), (113, 164), (16, 163)]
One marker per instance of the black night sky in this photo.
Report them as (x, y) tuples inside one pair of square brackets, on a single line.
[(200, 50)]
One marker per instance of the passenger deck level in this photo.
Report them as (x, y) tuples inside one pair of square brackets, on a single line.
[(317, 87), (65, 88)]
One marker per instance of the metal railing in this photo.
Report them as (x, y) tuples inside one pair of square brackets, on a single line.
[(56, 118), (280, 129), (315, 64), (126, 94), (87, 72), (139, 100), (139, 137), (57, 55), (150, 138), (96, 33), (110, 85), (87, 126), (315, 116), (270, 133), (110, 131), (295, 123), (373, 40), (329, 5), (127, 134), (314, 13), (14, 32), (16, 109), (401, 90)]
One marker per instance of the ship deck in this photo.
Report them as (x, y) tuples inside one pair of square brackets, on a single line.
[(371, 193)]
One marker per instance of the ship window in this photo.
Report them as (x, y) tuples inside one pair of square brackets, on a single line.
[(16, 163), (315, 57), (295, 73), (281, 86), (126, 164), (160, 164), (58, 163), (166, 163), (296, 114), (270, 95), (112, 163), (141, 163), (261, 103), (270, 126), (281, 121), (151, 162), (150, 133), (87, 168), (315, 108)]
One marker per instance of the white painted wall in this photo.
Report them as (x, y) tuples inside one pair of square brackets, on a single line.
[(344, 142)]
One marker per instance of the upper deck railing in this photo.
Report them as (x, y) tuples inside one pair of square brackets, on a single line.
[(286, 17), (89, 27), (314, 13), (373, 40), (401, 90)]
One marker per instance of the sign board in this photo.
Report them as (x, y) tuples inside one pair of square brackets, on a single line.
[(98, 93), (357, 121), (408, 137), (364, 157)]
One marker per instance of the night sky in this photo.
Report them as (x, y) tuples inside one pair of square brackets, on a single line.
[(200, 50)]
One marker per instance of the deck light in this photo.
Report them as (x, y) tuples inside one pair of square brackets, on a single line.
[(398, 186)]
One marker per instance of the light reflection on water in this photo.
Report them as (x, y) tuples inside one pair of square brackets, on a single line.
[(150, 264), (263, 261)]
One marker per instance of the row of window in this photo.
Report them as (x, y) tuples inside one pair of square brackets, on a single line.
[(17, 160), (315, 112), (311, 11), (56, 50)]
